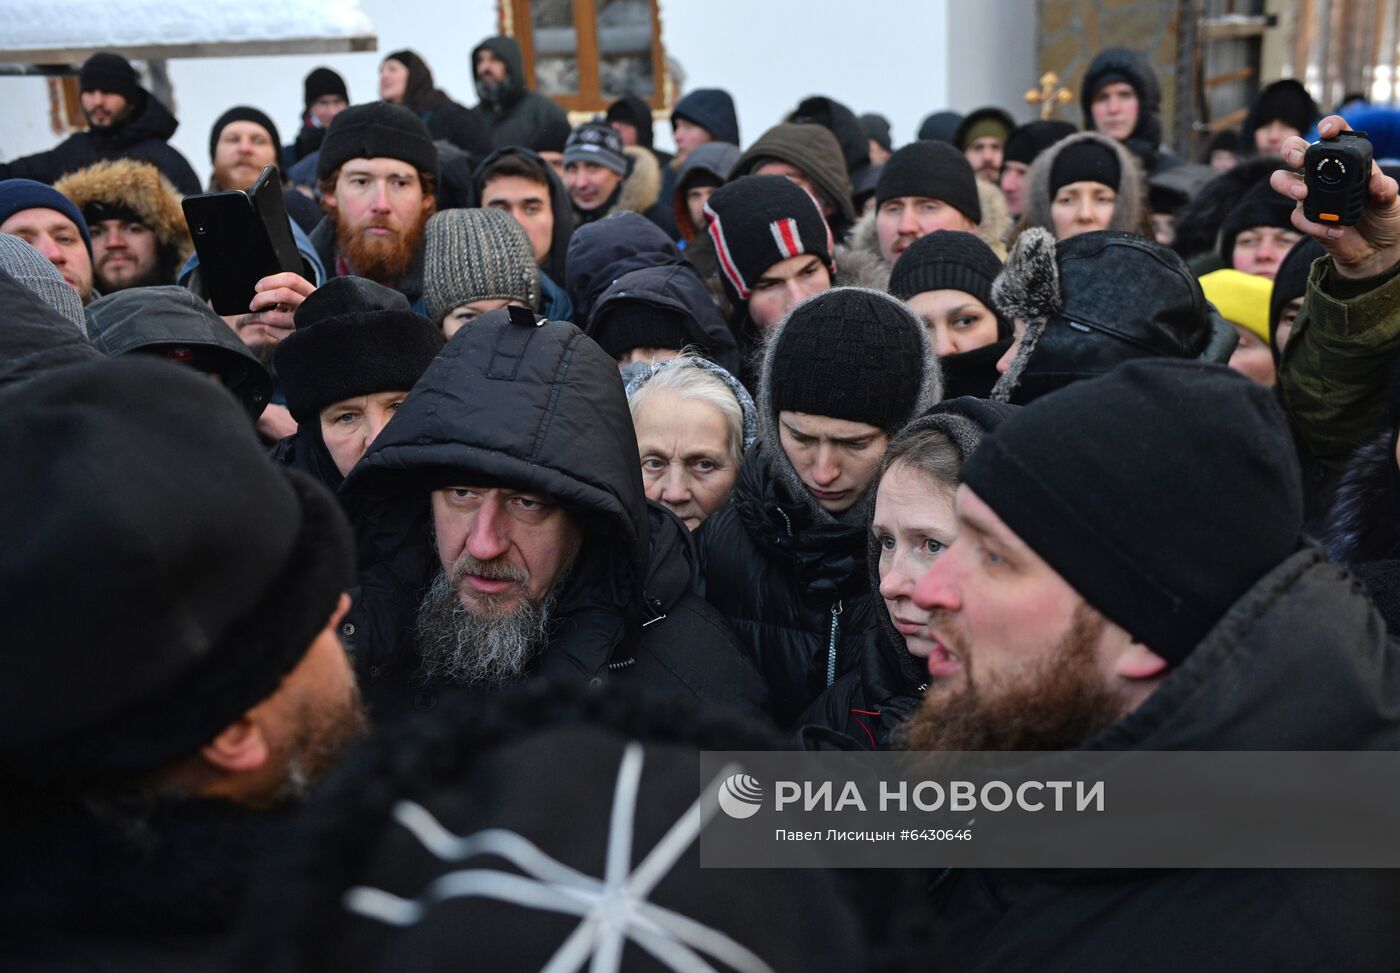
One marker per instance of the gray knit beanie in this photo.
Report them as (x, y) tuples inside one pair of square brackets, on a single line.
[(32, 269), (477, 255)]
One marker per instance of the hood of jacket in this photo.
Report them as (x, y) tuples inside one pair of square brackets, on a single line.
[(554, 264), (538, 407), (171, 322), (35, 337), (930, 391), (602, 251), (993, 230), (152, 121), (1128, 212), (508, 50), (140, 187), (815, 151), (1124, 64), (714, 158), (1300, 662), (679, 289)]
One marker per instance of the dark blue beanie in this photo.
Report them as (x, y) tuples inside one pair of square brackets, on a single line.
[(21, 194)]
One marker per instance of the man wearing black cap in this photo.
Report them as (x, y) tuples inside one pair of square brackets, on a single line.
[(1280, 111), (324, 97), (1188, 614), (1022, 146), (604, 176), (784, 558), (124, 121), (926, 186), (981, 137), (1258, 232), (377, 172), (525, 546), (136, 810), (242, 143), (49, 222)]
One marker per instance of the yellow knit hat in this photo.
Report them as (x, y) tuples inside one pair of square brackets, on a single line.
[(1241, 299)]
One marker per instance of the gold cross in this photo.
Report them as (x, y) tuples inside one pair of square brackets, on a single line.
[(1049, 96)]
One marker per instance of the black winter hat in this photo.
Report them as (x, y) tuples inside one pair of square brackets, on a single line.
[(244, 113), (377, 130), (713, 110), (877, 127), (1291, 281), (1286, 101), (982, 122), (758, 221), (552, 136), (1181, 541), (1029, 140), (1261, 206), (631, 324), (841, 122), (320, 83), (848, 353), (949, 260), (1087, 161), (353, 337), (631, 110), (105, 71), (940, 126), (935, 170), (1091, 302), (598, 144), (216, 569)]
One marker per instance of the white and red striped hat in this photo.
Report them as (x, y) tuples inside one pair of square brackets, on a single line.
[(758, 221)]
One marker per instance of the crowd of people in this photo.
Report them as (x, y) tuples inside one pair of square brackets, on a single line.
[(380, 626)]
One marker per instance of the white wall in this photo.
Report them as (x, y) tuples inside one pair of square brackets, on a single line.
[(903, 58)]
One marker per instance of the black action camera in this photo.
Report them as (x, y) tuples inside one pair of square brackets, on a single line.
[(1337, 171)]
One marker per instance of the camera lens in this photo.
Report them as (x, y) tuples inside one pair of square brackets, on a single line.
[(1331, 172)]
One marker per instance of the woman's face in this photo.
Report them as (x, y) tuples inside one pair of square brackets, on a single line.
[(685, 452), (393, 81), (913, 523), (1082, 207), (955, 320)]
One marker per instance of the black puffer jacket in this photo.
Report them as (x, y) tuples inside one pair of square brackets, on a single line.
[(864, 707), (540, 408), (678, 290), (602, 251), (146, 136), (1301, 662)]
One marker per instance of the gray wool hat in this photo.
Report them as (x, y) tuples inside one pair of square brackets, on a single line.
[(477, 255), (32, 269)]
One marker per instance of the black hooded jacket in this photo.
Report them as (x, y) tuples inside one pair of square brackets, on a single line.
[(1129, 66), (555, 263), (541, 408), (519, 115), (145, 136), (678, 290), (1301, 662), (603, 251), (447, 121)]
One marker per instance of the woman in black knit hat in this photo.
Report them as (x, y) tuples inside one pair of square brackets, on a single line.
[(1084, 183), (946, 279)]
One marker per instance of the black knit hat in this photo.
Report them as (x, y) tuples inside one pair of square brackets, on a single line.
[(1033, 138), (353, 337), (1291, 281), (946, 260), (877, 128), (244, 113), (377, 130), (221, 568), (552, 136), (631, 110), (1261, 206), (632, 324), (1086, 161), (105, 71), (320, 83), (939, 126), (1181, 541), (934, 170), (848, 353), (598, 144), (1286, 101), (758, 221)]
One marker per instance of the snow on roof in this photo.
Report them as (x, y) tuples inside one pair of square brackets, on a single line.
[(67, 31)]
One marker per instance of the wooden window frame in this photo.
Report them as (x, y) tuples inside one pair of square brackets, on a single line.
[(515, 22)]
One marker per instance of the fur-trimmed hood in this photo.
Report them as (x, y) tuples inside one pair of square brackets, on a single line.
[(1130, 212), (638, 192), (1363, 522), (930, 391), (140, 187), (993, 231)]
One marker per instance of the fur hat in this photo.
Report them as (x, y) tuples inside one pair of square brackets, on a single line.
[(138, 187), (1091, 302)]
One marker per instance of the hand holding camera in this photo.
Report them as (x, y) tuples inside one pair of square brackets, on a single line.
[(1349, 205)]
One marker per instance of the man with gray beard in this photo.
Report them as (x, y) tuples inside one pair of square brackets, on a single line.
[(508, 488)]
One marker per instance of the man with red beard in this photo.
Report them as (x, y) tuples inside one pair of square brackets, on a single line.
[(377, 172), (1143, 584)]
